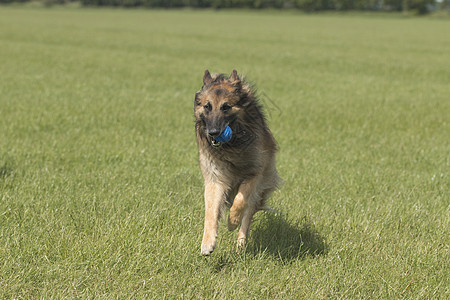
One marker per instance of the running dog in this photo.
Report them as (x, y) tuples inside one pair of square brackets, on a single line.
[(236, 153)]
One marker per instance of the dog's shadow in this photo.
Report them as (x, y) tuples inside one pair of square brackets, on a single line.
[(276, 237), (283, 239)]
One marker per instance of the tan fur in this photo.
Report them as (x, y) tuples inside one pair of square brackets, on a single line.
[(240, 174)]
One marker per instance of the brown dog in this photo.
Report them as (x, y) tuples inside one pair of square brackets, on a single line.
[(239, 173)]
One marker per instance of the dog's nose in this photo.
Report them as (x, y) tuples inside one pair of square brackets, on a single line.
[(214, 132)]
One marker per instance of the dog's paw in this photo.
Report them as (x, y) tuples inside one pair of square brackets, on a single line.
[(234, 219), (207, 249), (241, 243)]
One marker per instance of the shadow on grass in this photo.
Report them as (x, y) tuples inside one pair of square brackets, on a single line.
[(285, 240), (276, 237)]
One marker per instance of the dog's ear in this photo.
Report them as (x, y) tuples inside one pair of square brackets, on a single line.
[(236, 82), (197, 99), (207, 79), (234, 78)]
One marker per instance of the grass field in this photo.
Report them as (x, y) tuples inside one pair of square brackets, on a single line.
[(101, 194)]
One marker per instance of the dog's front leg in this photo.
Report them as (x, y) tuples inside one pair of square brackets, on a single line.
[(214, 198)]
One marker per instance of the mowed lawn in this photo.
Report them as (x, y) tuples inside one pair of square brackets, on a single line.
[(101, 194)]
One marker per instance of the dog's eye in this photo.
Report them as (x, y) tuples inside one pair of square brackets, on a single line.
[(207, 106), (225, 107)]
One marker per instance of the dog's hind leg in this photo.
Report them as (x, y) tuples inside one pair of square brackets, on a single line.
[(214, 201), (245, 228), (244, 207), (242, 202)]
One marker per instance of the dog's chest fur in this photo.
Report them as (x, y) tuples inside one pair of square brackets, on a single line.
[(225, 164)]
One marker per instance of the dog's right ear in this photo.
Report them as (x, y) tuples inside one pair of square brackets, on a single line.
[(207, 79)]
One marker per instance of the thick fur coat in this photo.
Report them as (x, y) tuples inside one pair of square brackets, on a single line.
[(240, 173)]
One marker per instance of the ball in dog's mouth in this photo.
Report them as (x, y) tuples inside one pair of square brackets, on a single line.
[(224, 137)]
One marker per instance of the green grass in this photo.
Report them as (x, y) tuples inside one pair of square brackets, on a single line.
[(100, 190)]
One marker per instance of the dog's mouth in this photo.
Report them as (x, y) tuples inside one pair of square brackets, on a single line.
[(216, 140), (215, 143)]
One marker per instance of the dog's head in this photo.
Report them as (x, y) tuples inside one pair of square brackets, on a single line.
[(219, 103)]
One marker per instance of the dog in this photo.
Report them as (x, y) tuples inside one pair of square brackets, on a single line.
[(238, 173)]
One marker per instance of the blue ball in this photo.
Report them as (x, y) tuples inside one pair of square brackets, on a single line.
[(225, 136)]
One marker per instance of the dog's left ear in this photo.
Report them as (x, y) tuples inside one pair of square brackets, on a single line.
[(234, 78)]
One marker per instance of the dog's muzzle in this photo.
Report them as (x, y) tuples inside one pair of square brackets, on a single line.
[(215, 143)]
